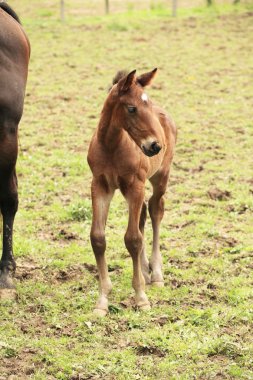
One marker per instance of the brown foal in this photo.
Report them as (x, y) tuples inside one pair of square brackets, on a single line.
[(134, 141)]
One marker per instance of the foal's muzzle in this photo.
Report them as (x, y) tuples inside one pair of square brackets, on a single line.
[(151, 149)]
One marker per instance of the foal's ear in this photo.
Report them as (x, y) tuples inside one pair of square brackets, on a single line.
[(126, 82), (145, 79)]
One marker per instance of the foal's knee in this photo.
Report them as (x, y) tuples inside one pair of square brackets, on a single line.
[(98, 242), (133, 242), (156, 207)]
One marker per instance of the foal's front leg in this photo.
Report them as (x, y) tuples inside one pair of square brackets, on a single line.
[(134, 242), (156, 211), (101, 197)]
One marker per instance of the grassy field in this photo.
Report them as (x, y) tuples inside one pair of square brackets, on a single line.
[(200, 325)]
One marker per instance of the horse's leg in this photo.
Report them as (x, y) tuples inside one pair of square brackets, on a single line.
[(144, 259), (101, 197), (156, 211), (134, 243), (8, 205)]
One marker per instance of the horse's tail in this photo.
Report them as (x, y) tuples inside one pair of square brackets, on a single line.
[(10, 11)]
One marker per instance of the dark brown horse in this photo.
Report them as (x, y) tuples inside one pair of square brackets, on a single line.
[(134, 141), (14, 58)]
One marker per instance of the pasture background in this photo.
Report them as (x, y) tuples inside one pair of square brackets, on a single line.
[(200, 325)]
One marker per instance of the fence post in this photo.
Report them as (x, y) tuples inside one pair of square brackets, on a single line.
[(174, 8), (107, 6), (62, 10)]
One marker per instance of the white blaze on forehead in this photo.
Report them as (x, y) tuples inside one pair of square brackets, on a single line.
[(144, 97)]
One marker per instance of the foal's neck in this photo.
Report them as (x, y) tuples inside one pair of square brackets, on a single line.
[(109, 134)]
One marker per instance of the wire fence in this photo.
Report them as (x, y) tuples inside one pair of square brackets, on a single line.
[(99, 7), (82, 8)]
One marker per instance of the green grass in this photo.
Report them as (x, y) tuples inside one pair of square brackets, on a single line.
[(200, 325)]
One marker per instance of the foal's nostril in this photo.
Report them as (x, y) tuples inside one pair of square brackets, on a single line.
[(151, 149), (155, 147)]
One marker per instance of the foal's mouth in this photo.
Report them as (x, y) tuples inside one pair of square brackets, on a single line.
[(153, 149)]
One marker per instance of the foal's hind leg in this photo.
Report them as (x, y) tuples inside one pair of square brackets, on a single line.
[(8, 205), (156, 211), (144, 259), (134, 242), (101, 197)]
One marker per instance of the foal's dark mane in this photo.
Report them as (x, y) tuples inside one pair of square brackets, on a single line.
[(120, 74), (10, 11)]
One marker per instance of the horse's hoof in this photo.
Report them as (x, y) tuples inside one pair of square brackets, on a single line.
[(145, 307), (100, 312), (8, 294), (158, 284), (6, 280)]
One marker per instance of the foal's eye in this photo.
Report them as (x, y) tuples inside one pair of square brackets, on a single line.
[(131, 109)]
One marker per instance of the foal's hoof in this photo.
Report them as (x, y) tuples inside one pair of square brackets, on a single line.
[(8, 294), (100, 312), (145, 307), (158, 284)]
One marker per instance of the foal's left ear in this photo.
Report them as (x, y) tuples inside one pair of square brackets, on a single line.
[(145, 79), (126, 82)]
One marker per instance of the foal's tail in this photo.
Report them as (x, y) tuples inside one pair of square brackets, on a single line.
[(10, 11)]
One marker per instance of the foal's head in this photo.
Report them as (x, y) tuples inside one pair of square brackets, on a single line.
[(133, 111)]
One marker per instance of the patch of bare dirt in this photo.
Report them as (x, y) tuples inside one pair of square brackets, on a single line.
[(182, 225), (144, 350), (198, 169), (37, 326), (243, 256), (62, 236), (177, 263), (27, 270), (19, 366), (65, 235), (227, 241), (128, 303), (114, 268), (176, 283), (73, 272), (219, 195), (90, 268), (241, 209), (160, 320)]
